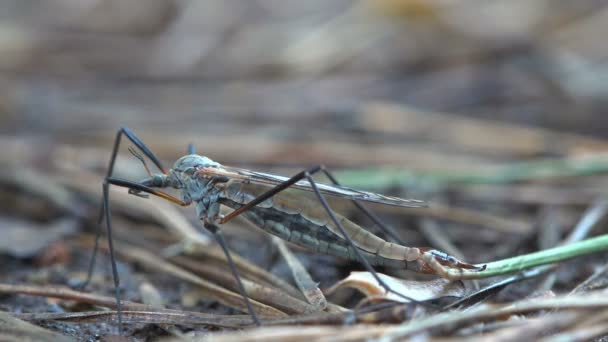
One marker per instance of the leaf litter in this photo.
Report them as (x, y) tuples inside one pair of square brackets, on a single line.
[(520, 191)]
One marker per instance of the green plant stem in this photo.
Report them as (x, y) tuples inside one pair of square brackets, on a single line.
[(547, 256)]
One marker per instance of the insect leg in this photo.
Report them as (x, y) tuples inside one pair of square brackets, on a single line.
[(106, 209), (306, 174), (433, 260), (217, 232), (142, 147), (142, 188), (261, 198), (350, 242), (148, 153), (191, 149), (209, 226), (384, 227)]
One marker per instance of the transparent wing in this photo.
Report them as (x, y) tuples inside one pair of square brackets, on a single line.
[(248, 176)]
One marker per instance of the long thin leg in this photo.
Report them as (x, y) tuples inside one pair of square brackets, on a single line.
[(105, 209), (209, 226), (142, 188), (361, 258), (91, 268), (146, 151), (291, 181), (219, 237), (106, 205), (217, 232), (191, 149), (106, 202), (384, 227), (306, 174), (432, 257)]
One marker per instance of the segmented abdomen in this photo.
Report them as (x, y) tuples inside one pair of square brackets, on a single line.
[(297, 229)]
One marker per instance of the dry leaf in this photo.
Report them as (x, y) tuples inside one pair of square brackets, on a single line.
[(415, 289), (304, 281)]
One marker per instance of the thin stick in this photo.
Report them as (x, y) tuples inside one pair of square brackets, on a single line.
[(173, 317)]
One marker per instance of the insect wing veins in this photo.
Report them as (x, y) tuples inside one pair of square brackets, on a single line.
[(248, 176)]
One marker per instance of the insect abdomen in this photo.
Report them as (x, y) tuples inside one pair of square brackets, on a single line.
[(320, 239)]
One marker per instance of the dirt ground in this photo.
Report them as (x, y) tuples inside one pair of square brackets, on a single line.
[(491, 112)]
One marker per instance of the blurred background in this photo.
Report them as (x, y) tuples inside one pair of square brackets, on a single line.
[(215, 69), (493, 111)]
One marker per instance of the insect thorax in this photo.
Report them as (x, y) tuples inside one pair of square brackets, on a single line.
[(197, 189)]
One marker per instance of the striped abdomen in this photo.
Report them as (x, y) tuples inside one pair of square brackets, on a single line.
[(299, 218)]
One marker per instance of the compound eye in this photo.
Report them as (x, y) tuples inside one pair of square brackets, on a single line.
[(189, 170)]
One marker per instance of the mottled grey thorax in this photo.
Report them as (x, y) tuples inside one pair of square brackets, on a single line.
[(203, 193)]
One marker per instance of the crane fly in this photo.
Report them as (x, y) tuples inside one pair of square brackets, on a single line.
[(292, 208)]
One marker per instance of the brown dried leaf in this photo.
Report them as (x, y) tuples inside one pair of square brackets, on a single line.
[(415, 289), (309, 288)]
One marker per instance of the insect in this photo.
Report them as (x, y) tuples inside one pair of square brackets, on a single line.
[(294, 209)]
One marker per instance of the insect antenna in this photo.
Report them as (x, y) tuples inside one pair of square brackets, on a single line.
[(143, 161)]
